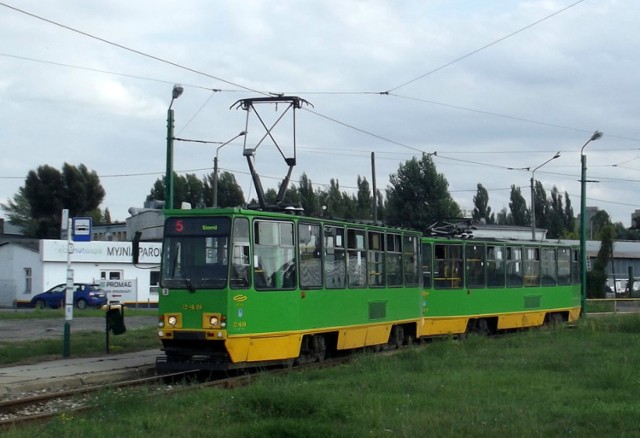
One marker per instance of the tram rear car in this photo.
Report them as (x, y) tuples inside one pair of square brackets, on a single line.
[(486, 286)]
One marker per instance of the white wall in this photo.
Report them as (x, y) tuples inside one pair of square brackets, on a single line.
[(13, 261), (88, 260)]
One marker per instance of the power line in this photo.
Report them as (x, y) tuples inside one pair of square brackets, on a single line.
[(137, 52), (473, 52)]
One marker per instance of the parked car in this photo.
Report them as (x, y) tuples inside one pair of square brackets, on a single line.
[(85, 294)]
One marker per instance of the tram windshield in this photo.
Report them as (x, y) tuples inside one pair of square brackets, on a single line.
[(195, 253)]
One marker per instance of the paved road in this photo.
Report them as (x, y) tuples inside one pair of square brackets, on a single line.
[(22, 329)]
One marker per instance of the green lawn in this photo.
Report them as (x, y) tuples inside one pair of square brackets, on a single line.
[(580, 381)]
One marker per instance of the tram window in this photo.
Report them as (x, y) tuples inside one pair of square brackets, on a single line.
[(514, 266), (357, 263), (449, 273), (376, 259), (334, 257), (309, 251), (474, 264), (394, 259), (564, 266), (240, 256), (426, 266), (410, 257), (532, 267), (495, 266), (548, 267), (575, 266), (274, 258)]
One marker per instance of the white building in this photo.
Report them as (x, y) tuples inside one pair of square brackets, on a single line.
[(25, 272)]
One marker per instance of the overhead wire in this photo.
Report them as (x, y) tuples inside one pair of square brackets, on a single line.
[(129, 49), (480, 49)]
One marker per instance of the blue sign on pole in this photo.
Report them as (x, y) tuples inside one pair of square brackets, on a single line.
[(81, 231)]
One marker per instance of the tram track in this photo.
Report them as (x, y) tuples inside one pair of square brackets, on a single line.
[(32, 408)]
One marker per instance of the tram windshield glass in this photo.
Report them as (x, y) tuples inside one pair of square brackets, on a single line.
[(195, 253)]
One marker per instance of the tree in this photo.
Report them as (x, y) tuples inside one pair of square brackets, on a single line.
[(520, 215), (569, 217), (418, 196), (308, 198), (555, 222), (598, 224), (597, 277), (19, 213), (481, 210), (504, 218), (37, 207), (542, 206), (364, 200), (229, 192)]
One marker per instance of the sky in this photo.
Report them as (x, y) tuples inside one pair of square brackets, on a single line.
[(493, 88)]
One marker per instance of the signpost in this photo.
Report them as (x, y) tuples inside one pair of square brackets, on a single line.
[(68, 301), (80, 229)]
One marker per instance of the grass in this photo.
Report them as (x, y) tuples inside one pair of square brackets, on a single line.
[(59, 313), (82, 344), (581, 381)]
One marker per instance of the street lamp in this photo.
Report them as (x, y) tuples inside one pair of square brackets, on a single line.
[(215, 168), (583, 224), (168, 180), (533, 196)]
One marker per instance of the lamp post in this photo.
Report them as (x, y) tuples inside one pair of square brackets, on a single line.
[(168, 180), (533, 196), (215, 168), (583, 224)]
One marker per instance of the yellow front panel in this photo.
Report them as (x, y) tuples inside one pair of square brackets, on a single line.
[(238, 349), (443, 326), (281, 347)]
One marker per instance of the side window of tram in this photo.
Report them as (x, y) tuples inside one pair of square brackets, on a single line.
[(495, 266), (514, 266), (548, 267), (334, 257), (564, 266), (394, 259), (376, 259), (240, 256), (475, 265), (357, 263), (410, 256), (427, 268), (448, 264), (309, 251), (532, 267), (274, 258)]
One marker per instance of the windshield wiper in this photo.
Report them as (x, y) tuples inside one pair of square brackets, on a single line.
[(189, 284)]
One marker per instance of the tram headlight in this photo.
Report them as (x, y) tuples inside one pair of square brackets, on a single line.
[(214, 320), (172, 320)]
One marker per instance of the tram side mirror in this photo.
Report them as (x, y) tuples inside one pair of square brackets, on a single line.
[(115, 319), (136, 247)]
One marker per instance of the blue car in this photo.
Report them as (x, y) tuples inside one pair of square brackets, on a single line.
[(84, 295)]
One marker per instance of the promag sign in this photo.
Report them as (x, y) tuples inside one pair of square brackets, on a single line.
[(120, 291)]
